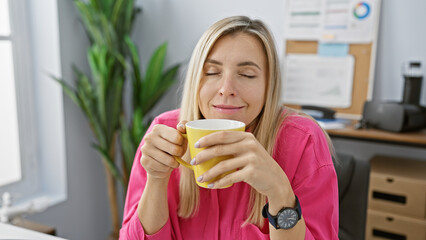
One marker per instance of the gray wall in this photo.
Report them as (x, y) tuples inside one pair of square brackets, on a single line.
[(402, 37), (85, 214)]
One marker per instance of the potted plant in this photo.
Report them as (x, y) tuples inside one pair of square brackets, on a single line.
[(113, 60)]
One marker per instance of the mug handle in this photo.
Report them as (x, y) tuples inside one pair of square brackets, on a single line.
[(181, 161)]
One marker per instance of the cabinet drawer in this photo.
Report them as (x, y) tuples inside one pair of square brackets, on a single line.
[(382, 225), (398, 195)]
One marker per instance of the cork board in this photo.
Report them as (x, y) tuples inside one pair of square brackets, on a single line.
[(362, 55)]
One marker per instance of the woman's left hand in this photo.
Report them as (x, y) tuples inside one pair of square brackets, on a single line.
[(256, 167)]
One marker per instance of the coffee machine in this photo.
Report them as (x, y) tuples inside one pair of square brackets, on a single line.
[(407, 115)]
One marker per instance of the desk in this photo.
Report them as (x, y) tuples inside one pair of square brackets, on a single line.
[(410, 138), (8, 231)]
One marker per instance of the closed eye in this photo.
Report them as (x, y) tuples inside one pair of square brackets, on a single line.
[(211, 73), (247, 76)]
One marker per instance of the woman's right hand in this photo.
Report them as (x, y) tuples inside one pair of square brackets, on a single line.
[(161, 144)]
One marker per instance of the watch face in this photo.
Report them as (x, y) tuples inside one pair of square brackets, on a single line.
[(287, 218)]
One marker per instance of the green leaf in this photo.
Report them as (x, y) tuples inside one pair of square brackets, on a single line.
[(109, 162), (128, 16), (109, 34), (96, 56), (168, 78), (117, 11), (67, 90), (107, 6), (155, 67), (114, 106), (137, 80), (138, 126), (128, 146), (166, 81), (90, 18), (87, 104), (97, 4), (133, 53)]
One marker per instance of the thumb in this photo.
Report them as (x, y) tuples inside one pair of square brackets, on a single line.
[(182, 129), (181, 126)]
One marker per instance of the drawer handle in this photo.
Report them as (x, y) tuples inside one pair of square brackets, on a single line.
[(388, 235), (389, 180), (389, 197)]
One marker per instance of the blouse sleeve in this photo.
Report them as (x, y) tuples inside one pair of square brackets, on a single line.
[(315, 184), (304, 155), (132, 228), (319, 209)]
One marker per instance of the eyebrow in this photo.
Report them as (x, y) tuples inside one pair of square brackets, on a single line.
[(246, 63)]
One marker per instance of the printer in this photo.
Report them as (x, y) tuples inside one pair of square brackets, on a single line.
[(407, 115)]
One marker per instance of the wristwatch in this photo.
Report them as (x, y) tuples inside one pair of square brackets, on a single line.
[(286, 218)]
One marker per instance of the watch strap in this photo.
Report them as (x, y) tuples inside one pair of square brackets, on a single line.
[(266, 214), (273, 219)]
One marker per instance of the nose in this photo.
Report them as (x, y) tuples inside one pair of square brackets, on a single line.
[(227, 87)]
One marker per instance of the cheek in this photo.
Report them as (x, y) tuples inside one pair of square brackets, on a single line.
[(256, 96), (204, 96), (203, 89)]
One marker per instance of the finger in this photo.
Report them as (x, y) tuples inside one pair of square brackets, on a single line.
[(168, 133), (227, 180), (166, 146), (217, 151), (151, 165), (181, 127), (223, 167), (161, 157), (221, 137)]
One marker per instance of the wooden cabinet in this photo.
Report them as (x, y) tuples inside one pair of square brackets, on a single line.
[(396, 199)]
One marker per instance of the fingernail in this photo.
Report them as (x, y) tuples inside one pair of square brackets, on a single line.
[(200, 178), (181, 125), (210, 185), (197, 145), (193, 161)]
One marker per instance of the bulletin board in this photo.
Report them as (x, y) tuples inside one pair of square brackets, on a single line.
[(363, 57), (362, 48)]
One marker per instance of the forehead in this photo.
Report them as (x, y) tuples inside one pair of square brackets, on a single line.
[(238, 45)]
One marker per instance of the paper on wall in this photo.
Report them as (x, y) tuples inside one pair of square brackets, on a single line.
[(350, 21), (310, 79), (344, 21), (303, 19)]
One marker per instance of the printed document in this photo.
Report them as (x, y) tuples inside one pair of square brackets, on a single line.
[(310, 79)]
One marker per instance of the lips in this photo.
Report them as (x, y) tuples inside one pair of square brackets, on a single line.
[(227, 108)]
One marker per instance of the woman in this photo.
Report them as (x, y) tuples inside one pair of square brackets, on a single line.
[(285, 186)]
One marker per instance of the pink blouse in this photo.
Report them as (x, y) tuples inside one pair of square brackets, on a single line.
[(302, 152)]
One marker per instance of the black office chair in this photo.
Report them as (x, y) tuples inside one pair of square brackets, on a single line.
[(352, 177)]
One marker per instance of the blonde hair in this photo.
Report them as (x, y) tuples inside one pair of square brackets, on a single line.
[(267, 123)]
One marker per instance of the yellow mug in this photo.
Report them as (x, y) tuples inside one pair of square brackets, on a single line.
[(199, 128)]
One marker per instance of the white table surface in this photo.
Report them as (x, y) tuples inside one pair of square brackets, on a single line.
[(8, 231)]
